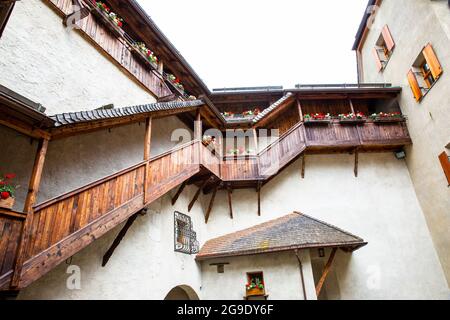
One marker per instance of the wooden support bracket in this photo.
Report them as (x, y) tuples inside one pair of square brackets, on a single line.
[(119, 238), (230, 205), (211, 203), (179, 191), (326, 270), (303, 166), (356, 163), (197, 194), (258, 190)]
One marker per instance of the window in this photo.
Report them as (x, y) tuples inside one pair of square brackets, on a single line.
[(424, 73), (384, 48), (445, 162), (185, 236), (255, 284)]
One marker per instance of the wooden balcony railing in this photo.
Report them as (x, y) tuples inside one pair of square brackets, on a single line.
[(117, 45), (62, 226)]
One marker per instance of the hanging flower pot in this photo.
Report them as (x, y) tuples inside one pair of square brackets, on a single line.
[(7, 191), (8, 203)]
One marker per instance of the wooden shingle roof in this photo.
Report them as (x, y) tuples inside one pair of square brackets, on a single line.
[(101, 114), (294, 231)]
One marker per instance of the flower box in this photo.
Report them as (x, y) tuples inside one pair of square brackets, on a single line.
[(105, 17), (137, 51), (255, 292), (313, 122), (388, 119), (8, 203), (352, 121)]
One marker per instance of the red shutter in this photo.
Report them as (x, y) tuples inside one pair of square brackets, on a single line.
[(377, 59), (445, 162), (433, 62), (414, 84), (387, 36)]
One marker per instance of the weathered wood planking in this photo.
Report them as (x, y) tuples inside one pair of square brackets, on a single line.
[(333, 134), (384, 133), (64, 225), (240, 168), (332, 106), (210, 161), (117, 48), (282, 151), (10, 231)]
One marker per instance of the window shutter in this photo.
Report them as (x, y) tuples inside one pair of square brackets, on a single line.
[(445, 162), (377, 59), (414, 84), (433, 62), (387, 36)]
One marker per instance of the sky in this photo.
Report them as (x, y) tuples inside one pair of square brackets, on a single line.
[(247, 43)]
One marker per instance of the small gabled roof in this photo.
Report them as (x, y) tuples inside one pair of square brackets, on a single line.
[(102, 114), (294, 231), (273, 107)]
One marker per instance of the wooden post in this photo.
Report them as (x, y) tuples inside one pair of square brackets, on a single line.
[(230, 205), (300, 111), (258, 190), (211, 202), (303, 166), (326, 270), (351, 106), (356, 162), (33, 190), (255, 140), (147, 152), (198, 135)]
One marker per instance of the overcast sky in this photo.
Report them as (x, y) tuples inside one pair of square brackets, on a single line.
[(239, 43)]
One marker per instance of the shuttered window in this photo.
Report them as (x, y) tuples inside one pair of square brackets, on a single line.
[(383, 49), (445, 162), (425, 72)]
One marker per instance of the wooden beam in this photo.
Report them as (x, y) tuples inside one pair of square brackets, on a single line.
[(211, 202), (197, 194), (303, 166), (33, 189), (118, 239), (198, 126), (351, 105), (356, 162), (179, 191), (300, 111), (326, 270), (147, 153), (230, 205), (258, 190)]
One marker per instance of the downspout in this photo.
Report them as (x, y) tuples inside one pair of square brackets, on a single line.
[(300, 265)]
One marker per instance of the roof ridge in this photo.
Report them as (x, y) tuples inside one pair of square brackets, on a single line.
[(329, 225)]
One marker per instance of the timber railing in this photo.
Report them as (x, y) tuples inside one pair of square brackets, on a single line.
[(62, 226), (66, 224)]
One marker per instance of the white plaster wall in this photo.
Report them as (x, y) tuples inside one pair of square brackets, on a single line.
[(144, 265), (400, 261), (56, 67), (281, 276), (420, 22)]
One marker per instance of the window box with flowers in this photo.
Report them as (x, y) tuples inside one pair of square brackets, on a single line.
[(112, 20), (391, 117), (7, 191), (175, 82), (317, 119), (246, 115), (145, 54), (255, 285), (241, 151), (352, 118)]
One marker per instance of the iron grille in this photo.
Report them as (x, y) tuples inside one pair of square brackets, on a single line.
[(185, 237)]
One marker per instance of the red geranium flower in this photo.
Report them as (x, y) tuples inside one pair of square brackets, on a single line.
[(10, 176), (5, 195)]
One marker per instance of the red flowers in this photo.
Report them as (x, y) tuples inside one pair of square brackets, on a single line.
[(10, 176), (5, 195)]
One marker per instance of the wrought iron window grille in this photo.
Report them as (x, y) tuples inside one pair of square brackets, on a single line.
[(185, 238)]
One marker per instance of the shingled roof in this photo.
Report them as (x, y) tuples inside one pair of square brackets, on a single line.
[(272, 107), (101, 114), (294, 231)]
